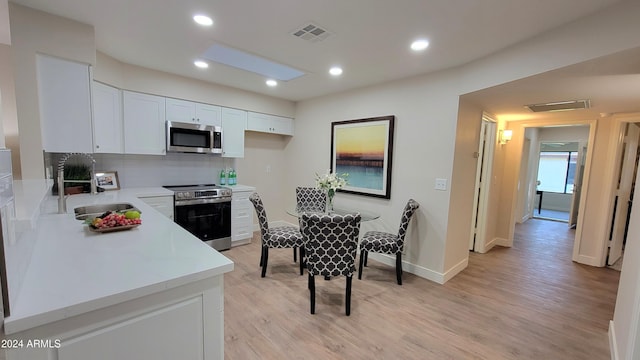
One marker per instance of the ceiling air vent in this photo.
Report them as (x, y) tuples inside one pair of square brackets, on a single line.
[(311, 32), (560, 106)]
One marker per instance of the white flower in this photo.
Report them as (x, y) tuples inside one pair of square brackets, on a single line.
[(331, 182)]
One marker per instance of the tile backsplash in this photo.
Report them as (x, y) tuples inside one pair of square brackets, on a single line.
[(153, 170)]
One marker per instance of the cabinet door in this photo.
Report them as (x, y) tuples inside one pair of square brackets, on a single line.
[(172, 332), (269, 123), (144, 131), (107, 119), (282, 125), (65, 105), (234, 123), (180, 110), (241, 218), (208, 114)]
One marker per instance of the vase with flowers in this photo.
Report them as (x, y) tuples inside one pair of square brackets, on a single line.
[(330, 182)]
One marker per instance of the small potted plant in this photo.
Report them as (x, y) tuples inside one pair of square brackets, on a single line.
[(76, 172)]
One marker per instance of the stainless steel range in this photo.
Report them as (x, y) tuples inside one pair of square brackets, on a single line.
[(205, 211)]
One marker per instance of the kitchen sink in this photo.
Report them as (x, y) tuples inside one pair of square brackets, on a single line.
[(91, 211)]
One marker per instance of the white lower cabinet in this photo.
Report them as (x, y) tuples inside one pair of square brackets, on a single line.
[(241, 216), (120, 340), (181, 323), (164, 204)]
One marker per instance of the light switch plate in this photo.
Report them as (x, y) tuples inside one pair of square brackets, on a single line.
[(441, 184)]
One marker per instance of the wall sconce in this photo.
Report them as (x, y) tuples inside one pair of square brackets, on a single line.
[(505, 136)]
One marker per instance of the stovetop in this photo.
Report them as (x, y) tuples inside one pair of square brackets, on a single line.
[(193, 187), (199, 191)]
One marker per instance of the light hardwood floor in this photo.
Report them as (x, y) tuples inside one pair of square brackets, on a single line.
[(526, 302)]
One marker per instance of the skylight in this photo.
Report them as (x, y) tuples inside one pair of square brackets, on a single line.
[(248, 62)]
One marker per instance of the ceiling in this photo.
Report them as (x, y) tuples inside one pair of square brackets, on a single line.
[(369, 38)]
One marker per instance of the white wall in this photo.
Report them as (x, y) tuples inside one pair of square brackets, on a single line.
[(5, 30), (564, 134)]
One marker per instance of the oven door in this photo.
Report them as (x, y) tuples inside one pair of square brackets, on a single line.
[(207, 219)]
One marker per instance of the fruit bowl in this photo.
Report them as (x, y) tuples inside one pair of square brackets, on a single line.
[(114, 221)]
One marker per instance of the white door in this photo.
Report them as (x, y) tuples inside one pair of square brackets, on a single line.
[(623, 193), (486, 148), (577, 185)]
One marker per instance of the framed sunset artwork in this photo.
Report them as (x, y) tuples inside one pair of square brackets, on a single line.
[(363, 149)]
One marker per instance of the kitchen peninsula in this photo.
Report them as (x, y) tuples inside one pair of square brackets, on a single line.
[(152, 292)]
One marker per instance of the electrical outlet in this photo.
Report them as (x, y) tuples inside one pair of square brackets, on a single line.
[(441, 184)]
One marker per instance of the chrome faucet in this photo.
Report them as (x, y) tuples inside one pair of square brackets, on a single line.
[(62, 203)]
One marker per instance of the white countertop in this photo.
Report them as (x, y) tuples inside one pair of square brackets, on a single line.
[(241, 187), (74, 271)]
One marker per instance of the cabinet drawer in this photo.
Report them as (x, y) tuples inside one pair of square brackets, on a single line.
[(241, 196), (242, 214), (242, 233), (163, 204)]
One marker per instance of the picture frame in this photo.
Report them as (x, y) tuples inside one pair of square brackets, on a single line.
[(363, 149), (108, 180)]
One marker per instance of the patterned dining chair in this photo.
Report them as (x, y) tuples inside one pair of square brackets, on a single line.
[(330, 245), (387, 243), (276, 237), (309, 199)]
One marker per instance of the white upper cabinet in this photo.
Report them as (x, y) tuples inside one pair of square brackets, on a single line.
[(144, 124), (189, 111), (65, 105), (269, 123), (234, 123), (107, 119)]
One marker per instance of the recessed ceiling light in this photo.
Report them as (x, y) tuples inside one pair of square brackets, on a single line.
[(203, 20), (419, 45), (201, 64), (335, 71), (271, 82)]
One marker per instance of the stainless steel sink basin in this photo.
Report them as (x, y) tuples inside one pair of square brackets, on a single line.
[(91, 211)]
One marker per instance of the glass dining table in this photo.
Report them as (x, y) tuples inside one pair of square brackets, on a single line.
[(364, 214)]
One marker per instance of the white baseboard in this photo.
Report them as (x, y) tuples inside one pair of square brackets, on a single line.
[(587, 260), (421, 271), (503, 242), (613, 346)]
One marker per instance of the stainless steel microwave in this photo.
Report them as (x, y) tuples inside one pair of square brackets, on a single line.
[(193, 138)]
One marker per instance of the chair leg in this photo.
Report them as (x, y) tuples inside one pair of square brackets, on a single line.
[(265, 256), (363, 254), (312, 293), (301, 258), (366, 257), (294, 255), (399, 267), (261, 255), (348, 295)]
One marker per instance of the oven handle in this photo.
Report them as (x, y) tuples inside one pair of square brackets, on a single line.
[(202, 201)]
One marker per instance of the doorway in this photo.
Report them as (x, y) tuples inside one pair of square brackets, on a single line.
[(555, 161), (558, 174)]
